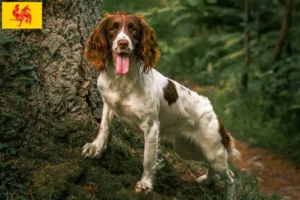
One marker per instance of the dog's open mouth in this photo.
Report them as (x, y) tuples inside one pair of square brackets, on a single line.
[(122, 62)]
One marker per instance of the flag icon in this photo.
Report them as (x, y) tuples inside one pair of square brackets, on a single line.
[(21, 15)]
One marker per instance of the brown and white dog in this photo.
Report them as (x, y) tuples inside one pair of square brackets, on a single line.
[(124, 48)]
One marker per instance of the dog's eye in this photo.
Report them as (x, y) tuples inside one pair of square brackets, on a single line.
[(133, 30), (112, 30)]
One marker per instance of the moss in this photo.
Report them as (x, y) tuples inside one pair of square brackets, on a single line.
[(95, 174), (128, 180), (134, 140), (168, 180), (114, 176), (54, 180), (70, 131), (80, 137), (53, 139), (60, 172), (107, 184), (130, 194), (76, 192), (119, 159), (127, 194)]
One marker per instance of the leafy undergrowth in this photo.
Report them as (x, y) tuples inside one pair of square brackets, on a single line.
[(51, 167)]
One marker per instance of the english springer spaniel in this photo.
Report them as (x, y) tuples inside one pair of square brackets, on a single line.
[(124, 49)]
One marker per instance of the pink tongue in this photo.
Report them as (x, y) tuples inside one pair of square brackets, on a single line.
[(122, 64)]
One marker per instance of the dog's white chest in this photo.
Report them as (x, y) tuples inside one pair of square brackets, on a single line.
[(117, 101), (127, 103)]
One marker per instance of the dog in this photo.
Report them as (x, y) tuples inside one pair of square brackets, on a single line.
[(124, 49)]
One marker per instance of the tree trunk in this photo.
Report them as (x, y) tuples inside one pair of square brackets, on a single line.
[(258, 30), (63, 83), (48, 93), (285, 25), (246, 46)]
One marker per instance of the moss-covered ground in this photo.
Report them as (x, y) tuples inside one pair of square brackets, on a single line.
[(51, 167)]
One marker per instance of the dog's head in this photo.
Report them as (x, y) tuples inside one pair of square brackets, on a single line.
[(122, 36)]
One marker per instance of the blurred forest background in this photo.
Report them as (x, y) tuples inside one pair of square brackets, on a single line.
[(246, 51), (243, 55)]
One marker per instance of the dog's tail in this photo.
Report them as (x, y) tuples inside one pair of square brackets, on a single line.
[(231, 150), (228, 142)]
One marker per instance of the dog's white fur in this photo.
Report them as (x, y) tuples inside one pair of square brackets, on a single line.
[(190, 123)]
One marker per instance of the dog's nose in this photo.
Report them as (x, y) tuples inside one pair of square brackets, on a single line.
[(122, 44)]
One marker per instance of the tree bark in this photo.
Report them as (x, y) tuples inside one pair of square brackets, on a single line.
[(285, 25), (46, 109), (63, 83)]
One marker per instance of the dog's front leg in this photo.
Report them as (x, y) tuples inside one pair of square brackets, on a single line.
[(151, 134), (98, 146)]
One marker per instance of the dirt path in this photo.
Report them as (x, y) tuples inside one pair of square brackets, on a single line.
[(275, 173)]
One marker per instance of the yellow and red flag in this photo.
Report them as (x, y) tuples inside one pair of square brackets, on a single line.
[(21, 15)]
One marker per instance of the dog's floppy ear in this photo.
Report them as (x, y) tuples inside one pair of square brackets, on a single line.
[(96, 51), (148, 50)]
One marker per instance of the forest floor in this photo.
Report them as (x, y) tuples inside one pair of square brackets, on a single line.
[(275, 173)]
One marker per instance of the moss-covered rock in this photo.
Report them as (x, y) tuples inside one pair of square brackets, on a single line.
[(59, 172)]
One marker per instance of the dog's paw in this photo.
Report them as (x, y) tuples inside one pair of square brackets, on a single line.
[(205, 180), (92, 150), (143, 186)]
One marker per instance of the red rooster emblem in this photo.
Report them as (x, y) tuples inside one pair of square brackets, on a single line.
[(25, 14)]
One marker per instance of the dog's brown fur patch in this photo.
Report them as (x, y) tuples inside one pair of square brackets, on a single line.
[(170, 93), (226, 138)]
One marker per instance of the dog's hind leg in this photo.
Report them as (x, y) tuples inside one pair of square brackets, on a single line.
[(216, 157), (222, 169), (210, 140)]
